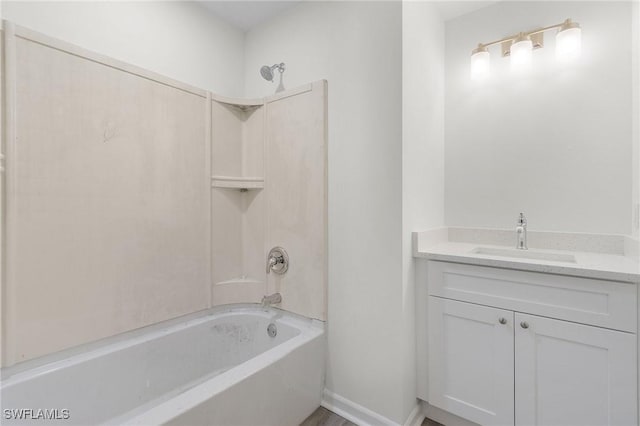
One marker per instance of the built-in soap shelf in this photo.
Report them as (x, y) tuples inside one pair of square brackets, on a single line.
[(240, 280), (238, 290), (242, 104), (237, 199), (236, 182)]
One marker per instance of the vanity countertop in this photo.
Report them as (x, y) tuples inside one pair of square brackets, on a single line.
[(604, 266)]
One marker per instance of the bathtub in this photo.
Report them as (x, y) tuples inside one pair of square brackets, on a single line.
[(216, 367)]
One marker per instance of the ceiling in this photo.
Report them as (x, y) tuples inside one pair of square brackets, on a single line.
[(247, 14), (452, 9)]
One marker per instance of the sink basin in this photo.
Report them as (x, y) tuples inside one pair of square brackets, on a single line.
[(525, 254)]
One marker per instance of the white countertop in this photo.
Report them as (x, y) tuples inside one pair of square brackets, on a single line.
[(615, 267)]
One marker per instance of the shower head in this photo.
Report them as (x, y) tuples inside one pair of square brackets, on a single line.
[(267, 71)]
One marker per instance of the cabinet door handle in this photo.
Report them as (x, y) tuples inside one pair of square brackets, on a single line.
[(502, 320), (524, 324)]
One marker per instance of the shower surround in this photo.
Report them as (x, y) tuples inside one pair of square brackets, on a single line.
[(132, 199)]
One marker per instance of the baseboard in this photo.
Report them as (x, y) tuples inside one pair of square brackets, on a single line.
[(362, 416), (416, 417), (443, 417)]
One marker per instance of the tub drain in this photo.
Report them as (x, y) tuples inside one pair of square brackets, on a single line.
[(272, 330)]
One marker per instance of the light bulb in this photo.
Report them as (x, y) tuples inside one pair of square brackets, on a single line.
[(480, 63), (520, 53), (568, 41)]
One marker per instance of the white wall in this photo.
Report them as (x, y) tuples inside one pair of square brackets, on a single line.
[(636, 120), (423, 116), (556, 144), (422, 155), (181, 40), (357, 47)]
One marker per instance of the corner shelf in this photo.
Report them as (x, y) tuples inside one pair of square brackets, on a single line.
[(237, 199), (240, 280), (243, 104), (236, 182)]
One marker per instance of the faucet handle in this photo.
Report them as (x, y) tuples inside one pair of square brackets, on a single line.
[(277, 260), (522, 220)]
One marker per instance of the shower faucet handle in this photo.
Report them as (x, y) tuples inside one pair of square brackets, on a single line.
[(277, 260)]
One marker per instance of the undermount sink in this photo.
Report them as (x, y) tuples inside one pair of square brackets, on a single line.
[(524, 254)]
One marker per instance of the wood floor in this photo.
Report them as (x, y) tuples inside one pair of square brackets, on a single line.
[(429, 422), (324, 417)]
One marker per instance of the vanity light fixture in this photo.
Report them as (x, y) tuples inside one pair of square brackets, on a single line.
[(519, 48), (568, 41), (480, 62), (520, 52)]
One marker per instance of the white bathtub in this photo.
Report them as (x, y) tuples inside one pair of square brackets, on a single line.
[(218, 367)]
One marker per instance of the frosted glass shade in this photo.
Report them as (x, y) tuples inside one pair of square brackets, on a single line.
[(480, 65), (520, 53), (568, 44)]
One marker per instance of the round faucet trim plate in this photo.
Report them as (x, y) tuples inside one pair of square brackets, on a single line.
[(277, 260)]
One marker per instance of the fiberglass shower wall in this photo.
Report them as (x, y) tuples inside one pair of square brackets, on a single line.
[(113, 178), (106, 197), (269, 189)]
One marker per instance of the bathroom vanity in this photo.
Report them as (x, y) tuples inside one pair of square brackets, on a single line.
[(538, 338)]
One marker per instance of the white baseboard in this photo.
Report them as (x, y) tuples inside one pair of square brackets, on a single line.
[(416, 417), (362, 416), (443, 417)]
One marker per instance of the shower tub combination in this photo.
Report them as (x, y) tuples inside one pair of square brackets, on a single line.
[(223, 366)]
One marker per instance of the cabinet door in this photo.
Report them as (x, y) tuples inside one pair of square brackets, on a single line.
[(573, 374), (471, 361)]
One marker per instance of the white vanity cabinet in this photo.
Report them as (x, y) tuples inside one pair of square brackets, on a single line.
[(471, 361), (512, 347), (573, 374)]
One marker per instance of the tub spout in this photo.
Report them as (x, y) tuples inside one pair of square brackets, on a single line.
[(271, 299)]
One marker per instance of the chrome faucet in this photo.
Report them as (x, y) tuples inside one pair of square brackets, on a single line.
[(277, 260), (271, 299), (521, 233), (273, 261)]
